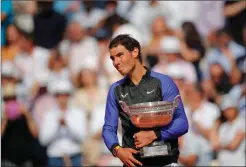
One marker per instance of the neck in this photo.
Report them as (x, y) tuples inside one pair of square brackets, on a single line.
[(30, 49), (137, 73)]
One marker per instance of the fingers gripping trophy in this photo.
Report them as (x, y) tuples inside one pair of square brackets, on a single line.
[(150, 115)]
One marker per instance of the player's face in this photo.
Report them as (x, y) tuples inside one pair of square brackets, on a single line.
[(123, 59)]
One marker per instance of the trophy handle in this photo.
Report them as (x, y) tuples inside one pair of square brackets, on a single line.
[(176, 101), (124, 107)]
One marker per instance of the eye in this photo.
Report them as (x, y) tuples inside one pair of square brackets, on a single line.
[(112, 58)]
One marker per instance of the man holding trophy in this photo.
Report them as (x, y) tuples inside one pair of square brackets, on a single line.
[(149, 106)]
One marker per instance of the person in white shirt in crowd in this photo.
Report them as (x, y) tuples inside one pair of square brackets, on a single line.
[(238, 92), (180, 11), (63, 128), (229, 138), (90, 16), (191, 150), (31, 61), (43, 100), (58, 66), (203, 116), (226, 52), (11, 75), (209, 16), (143, 13), (79, 49), (170, 53), (101, 154), (159, 30)]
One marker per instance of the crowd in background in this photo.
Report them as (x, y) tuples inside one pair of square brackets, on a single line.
[(56, 71)]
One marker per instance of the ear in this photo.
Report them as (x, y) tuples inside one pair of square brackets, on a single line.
[(135, 52)]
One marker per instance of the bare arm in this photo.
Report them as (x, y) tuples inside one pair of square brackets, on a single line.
[(235, 143), (188, 53), (30, 122), (3, 126), (189, 160), (233, 9)]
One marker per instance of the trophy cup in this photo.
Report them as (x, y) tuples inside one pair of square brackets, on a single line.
[(149, 115)]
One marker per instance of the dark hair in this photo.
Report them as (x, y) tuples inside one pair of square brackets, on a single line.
[(223, 31), (128, 42), (192, 36)]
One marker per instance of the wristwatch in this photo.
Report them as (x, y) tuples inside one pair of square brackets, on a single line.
[(115, 150)]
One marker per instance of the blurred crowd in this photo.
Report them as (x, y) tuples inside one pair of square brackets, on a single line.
[(56, 71)]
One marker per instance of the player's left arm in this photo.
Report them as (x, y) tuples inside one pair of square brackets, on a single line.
[(179, 125)]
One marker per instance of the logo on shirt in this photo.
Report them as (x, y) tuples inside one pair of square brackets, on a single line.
[(149, 92), (124, 96)]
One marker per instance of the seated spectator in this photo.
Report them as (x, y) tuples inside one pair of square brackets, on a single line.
[(238, 92), (191, 47), (58, 67), (67, 8), (229, 138), (79, 46), (226, 53), (43, 101), (49, 26), (159, 29), (192, 152), (203, 116), (219, 83), (235, 14), (63, 128), (11, 49), (89, 17), (18, 131), (31, 61), (170, 53), (24, 14)]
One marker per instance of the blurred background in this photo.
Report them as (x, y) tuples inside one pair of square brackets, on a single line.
[(56, 71)]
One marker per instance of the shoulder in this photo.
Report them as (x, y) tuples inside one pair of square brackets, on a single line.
[(116, 84), (165, 79)]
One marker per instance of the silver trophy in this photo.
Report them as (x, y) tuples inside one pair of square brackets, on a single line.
[(149, 115)]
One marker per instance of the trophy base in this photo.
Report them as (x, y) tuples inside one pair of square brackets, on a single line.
[(156, 149)]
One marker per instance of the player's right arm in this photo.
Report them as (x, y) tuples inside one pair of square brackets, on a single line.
[(109, 132), (110, 126)]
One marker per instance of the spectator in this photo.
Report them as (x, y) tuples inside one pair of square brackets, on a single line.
[(159, 29), (31, 61), (18, 131), (229, 139), (80, 46), (191, 151), (191, 47), (11, 49), (58, 67), (235, 14), (67, 8), (170, 53), (203, 116), (63, 128), (49, 26), (6, 18), (212, 10), (238, 93), (88, 90), (91, 16), (24, 14), (43, 100), (226, 53), (180, 11)]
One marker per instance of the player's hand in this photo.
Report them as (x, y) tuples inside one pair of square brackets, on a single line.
[(126, 157), (144, 138)]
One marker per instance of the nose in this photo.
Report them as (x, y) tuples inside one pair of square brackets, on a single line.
[(116, 62)]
